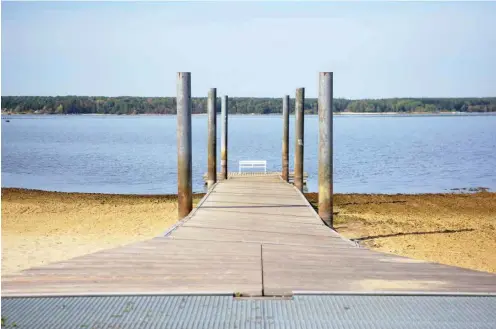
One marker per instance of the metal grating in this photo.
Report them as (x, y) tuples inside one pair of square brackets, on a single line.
[(331, 311), (354, 311)]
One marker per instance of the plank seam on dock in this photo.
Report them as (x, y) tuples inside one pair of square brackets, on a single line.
[(248, 230), (393, 293), (254, 204), (332, 247), (118, 293), (259, 242), (265, 214), (249, 207), (282, 221), (262, 269)]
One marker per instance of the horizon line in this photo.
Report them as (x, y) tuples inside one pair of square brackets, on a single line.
[(263, 97)]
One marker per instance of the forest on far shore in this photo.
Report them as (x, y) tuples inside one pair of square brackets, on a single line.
[(237, 105)]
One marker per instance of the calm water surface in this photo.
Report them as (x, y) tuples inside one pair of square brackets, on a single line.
[(137, 154)]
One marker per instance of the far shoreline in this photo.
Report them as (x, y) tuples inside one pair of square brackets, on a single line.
[(448, 113)]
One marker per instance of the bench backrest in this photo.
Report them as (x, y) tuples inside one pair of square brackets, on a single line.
[(253, 164)]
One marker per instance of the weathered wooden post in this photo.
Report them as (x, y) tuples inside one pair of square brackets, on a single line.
[(184, 164), (285, 138), (223, 149), (212, 137), (325, 147), (299, 133)]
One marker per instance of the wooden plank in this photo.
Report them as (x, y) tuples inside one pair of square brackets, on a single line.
[(153, 266), (249, 174), (223, 218), (263, 225), (290, 215), (289, 269), (214, 234)]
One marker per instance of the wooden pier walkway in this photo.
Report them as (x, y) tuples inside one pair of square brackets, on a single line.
[(250, 235), (254, 173)]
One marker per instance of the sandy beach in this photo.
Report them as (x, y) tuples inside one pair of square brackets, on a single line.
[(454, 229), (43, 227)]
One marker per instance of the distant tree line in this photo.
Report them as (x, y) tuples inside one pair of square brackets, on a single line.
[(239, 105)]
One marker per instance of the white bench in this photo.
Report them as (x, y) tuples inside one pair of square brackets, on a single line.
[(253, 164)]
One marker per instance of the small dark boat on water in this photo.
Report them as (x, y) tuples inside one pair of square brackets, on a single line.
[(7, 120)]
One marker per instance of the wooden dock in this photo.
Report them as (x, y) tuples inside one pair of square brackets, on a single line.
[(251, 235), (245, 174)]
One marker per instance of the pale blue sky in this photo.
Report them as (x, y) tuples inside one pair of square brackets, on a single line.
[(252, 49)]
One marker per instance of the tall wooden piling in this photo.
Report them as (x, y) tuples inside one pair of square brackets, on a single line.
[(325, 147), (223, 149), (299, 138), (184, 163), (285, 138), (212, 137)]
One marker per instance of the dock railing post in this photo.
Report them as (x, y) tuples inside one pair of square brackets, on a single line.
[(212, 137), (325, 147), (223, 150), (184, 163), (299, 138), (285, 138)]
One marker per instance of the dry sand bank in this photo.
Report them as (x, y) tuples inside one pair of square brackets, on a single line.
[(453, 229), (41, 227)]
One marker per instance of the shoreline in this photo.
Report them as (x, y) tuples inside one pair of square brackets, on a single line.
[(41, 227), (463, 190), (448, 113)]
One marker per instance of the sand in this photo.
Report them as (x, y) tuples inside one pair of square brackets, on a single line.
[(44, 227), (455, 229)]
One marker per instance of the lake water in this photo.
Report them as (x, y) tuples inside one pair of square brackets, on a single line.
[(137, 154)]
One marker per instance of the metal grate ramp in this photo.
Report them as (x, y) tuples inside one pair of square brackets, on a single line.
[(301, 311)]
